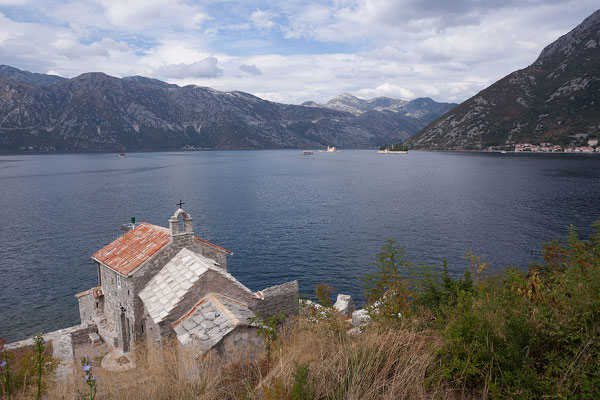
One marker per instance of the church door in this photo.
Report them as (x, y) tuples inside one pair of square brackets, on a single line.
[(125, 336)]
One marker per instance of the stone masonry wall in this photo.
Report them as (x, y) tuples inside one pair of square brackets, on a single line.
[(279, 299), (115, 298), (151, 331), (86, 308), (210, 282), (210, 252), (243, 342)]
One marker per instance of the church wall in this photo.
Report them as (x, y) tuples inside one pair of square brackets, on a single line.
[(210, 252), (151, 331), (279, 299), (210, 282), (115, 298), (241, 343), (87, 308)]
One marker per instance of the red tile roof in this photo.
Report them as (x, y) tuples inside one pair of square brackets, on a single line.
[(132, 249), (93, 290)]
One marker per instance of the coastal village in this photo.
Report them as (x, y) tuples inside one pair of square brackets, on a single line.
[(591, 146)]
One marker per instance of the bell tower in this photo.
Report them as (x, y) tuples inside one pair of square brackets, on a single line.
[(180, 223)]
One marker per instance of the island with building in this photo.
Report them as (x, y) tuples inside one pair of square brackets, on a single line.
[(393, 149)]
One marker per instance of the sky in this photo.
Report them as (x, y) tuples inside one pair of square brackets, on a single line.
[(290, 51)]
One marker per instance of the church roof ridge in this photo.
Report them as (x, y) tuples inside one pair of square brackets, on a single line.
[(129, 251), (209, 320), (135, 247), (166, 289)]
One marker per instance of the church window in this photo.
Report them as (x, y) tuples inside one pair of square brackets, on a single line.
[(118, 280), (181, 224)]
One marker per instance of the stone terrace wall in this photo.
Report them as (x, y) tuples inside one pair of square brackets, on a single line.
[(279, 299), (63, 341)]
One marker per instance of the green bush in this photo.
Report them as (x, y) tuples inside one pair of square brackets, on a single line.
[(528, 334), (516, 334)]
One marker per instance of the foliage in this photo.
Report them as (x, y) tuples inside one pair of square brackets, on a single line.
[(23, 371), (530, 334), (390, 288), (301, 390), (323, 295), (6, 378), (267, 328), (38, 362), (90, 379)]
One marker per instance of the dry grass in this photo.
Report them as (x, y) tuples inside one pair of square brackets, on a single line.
[(372, 365), (392, 364)]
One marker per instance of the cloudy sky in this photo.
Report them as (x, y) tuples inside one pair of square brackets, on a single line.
[(290, 51)]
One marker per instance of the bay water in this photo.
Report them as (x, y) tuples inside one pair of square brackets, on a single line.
[(285, 216)]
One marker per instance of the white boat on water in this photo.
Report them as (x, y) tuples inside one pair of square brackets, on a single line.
[(330, 149), (307, 153)]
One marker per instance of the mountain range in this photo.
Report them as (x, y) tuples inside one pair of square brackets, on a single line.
[(97, 112), (556, 99)]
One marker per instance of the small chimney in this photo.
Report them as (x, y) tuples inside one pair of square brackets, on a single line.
[(128, 227)]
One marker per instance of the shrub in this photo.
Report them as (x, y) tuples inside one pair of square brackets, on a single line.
[(530, 334)]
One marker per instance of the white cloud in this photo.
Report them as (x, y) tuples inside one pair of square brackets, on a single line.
[(139, 14), (387, 90), (261, 19), (206, 68), (251, 69)]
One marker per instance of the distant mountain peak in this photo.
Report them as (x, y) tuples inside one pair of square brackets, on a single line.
[(417, 108), (346, 95), (31, 78)]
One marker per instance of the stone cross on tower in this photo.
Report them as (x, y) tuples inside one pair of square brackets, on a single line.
[(181, 222)]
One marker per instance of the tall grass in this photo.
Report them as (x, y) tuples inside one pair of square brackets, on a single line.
[(308, 363)]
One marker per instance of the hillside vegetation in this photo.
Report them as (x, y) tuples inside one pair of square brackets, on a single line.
[(526, 334)]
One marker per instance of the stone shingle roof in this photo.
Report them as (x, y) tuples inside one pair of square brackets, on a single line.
[(132, 249), (166, 289), (210, 320)]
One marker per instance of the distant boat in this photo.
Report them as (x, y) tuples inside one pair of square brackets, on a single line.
[(307, 153), (122, 155), (331, 149), (503, 152)]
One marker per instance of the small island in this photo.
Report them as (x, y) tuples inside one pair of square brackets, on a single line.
[(393, 149)]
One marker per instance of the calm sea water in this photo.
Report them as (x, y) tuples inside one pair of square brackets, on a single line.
[(317, 218)]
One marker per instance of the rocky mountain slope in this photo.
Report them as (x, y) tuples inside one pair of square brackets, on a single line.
[(95, 111), (423, 109), (552, 100)]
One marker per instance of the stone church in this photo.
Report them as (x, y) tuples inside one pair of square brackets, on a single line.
[(156, 282)]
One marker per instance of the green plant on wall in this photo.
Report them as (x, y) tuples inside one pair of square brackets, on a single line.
[(267, 328)]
